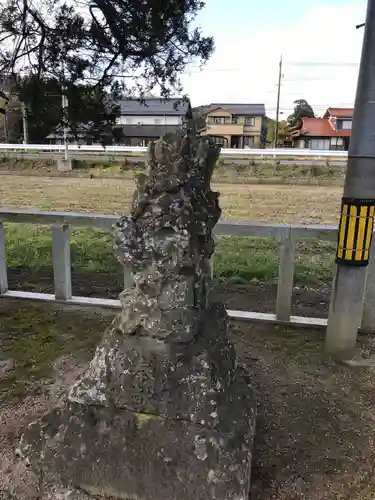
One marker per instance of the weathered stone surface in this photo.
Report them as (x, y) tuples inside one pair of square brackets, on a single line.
[(175, 381), (162, 411), (116, 453), (167, 242)]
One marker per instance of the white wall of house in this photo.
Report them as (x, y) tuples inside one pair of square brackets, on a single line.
[(149, 120)]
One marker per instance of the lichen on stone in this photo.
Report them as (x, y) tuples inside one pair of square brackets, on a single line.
[(166, 243)]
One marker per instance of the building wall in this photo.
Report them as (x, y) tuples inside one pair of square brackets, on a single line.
[(139, 141), (150, 120), (219, 112), (253, 129), (239, 128)]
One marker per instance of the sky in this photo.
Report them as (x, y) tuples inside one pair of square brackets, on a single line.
[(320, 46)]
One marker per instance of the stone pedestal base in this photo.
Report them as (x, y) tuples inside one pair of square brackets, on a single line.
[(123, 455), (151, 421)]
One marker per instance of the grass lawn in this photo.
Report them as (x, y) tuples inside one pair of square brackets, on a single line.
[(34, 337), (237, 260)]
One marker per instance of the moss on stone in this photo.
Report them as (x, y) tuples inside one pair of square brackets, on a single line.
[(143, 418)]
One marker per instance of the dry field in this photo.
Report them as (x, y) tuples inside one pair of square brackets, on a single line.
[(281, 203)]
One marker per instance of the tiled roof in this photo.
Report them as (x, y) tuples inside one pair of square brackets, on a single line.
[(319, 127), (155, 106), (239, 109), (339, 112)]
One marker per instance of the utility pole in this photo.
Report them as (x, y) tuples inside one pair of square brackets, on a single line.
[(64, 105), (357, 210), (276, 136), (24, 124), (4, 103), (6, 128)]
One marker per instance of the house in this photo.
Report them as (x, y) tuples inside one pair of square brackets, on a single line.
[(147, 120), (139, 122), (332, 132), (236, 125), (81, 136)]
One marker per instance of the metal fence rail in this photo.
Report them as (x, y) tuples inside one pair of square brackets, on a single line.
[(60, 222), (132, 150)]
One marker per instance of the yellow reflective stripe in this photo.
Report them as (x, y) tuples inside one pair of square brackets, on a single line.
[(351, 233), (342, 231), (370, 227), (363, 213)]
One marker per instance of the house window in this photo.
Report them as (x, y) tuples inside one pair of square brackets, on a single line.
[(250, 121), (220, 120), (320, 144), (344, 124), (219, 140), (248, 141), (337, 143), (234, 120)]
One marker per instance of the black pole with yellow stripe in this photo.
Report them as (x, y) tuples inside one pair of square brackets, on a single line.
[(355, 231)]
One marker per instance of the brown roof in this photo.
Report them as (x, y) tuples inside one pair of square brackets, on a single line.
[(339, 112), (319, 127)]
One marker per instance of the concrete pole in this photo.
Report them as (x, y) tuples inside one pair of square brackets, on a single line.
[(64, 106), (6, 129), (24, 124), (359, 197)]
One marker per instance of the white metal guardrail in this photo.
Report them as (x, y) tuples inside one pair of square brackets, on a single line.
[(60, 222), (129, 150)]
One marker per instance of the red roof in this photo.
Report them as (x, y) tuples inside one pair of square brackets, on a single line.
[(320, 127), (339, 112)]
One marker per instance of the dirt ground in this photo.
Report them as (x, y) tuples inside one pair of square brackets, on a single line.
[(306, 204), (315, 426), (250, 296)]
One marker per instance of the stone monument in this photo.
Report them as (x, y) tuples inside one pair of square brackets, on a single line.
[(163, 411)]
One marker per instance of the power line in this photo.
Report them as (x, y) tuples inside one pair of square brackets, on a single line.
[(295, 63)]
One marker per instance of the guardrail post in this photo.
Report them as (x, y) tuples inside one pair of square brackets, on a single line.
[(64, 165), (3, 264), (286, 276), (368, 314), (61, 262)]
